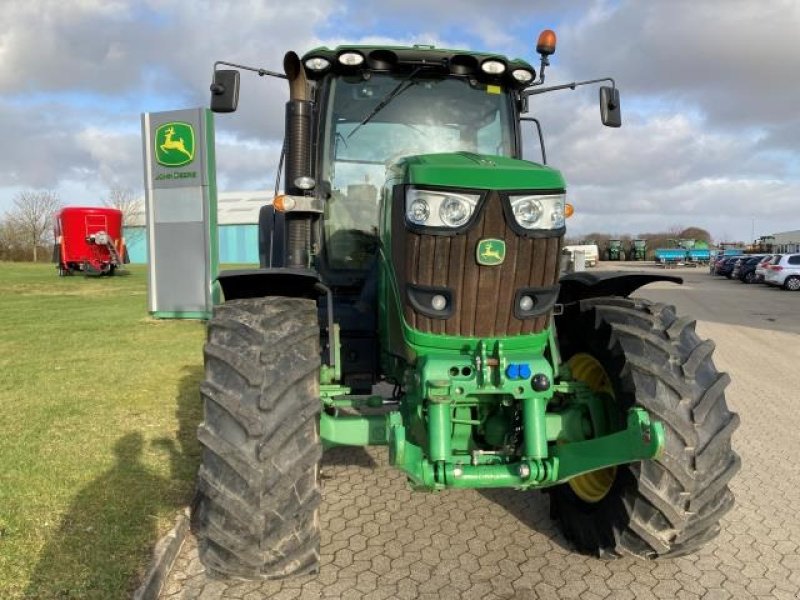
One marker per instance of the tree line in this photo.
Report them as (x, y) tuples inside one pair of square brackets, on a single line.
[(26, 229), (658, 239)]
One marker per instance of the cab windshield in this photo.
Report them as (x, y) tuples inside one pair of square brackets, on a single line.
[(371, 123)]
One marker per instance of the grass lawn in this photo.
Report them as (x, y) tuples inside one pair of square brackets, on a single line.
[(99, 406)]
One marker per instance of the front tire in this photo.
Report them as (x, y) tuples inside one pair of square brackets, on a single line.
[(672, 505), (792, 283), (255, 509)]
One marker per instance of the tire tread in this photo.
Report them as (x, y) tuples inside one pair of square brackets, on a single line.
[(255, 511), (672, 505)]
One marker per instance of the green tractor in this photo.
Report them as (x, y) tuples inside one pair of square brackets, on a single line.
[(414, 247), (614, 251), (638, 250)]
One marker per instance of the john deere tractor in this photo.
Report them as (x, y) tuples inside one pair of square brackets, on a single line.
[(413, 246), (615, 251), (638, 250)]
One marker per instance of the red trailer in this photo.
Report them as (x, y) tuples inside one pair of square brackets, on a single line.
[(89, 239)]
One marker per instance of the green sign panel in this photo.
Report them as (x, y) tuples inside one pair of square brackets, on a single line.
[(174, 144), (490, 252)]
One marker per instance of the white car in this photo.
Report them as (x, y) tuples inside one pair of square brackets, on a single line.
[(784, 271), (763, 266)]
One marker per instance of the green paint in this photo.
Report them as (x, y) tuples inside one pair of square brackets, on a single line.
[(213, 229), (440, 430), (640, 440), (188, 314), (367, 430), (174, 144), (534, 427), (475, 171)]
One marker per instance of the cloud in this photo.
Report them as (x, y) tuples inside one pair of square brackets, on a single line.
[(735, 61), (708, 93)]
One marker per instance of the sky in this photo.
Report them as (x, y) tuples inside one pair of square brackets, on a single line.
[(710, 95)]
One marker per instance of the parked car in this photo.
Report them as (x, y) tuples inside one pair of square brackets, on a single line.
[(712, 263), (745, 269), (725, 266), (717, 263), (761, 268), (784, 272)]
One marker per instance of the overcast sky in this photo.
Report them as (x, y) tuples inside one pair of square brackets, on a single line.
[(710, 95)]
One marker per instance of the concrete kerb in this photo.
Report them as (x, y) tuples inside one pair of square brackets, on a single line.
[(164, 555)]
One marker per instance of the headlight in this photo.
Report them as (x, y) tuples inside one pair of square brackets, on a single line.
[(522, 75), (493, 67), (418, 212), (539, 212), (432, 208), (454, 211), (351, 59), (317, 63)]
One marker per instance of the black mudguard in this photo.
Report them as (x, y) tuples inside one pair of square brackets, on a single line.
[(271, 237), (580, 286), (257, 283)]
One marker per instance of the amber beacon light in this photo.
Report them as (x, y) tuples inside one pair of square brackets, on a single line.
[(546, 45)]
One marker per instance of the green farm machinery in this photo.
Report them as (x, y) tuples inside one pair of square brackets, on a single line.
[(615, 251), (413, 246), (638, 250)]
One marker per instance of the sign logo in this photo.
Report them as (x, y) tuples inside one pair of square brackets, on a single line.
[(490, 252), (174, 144)]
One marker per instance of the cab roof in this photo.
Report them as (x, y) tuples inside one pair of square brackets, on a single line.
[(404, 59)]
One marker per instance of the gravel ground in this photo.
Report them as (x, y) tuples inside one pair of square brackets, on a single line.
[(380, 540)]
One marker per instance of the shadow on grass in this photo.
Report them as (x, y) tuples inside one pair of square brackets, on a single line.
[(104, 542), (185, 454)]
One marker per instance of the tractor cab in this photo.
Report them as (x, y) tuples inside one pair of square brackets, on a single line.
[(372, 117)]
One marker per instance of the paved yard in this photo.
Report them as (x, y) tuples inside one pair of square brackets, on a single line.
[(380, 540)]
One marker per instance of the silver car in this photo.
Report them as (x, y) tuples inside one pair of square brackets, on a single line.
[(784, 271)]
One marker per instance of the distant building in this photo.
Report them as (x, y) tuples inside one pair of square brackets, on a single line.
[(237, 225), (787, 241)]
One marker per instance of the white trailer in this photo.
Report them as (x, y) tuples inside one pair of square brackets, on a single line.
[(591, 253)]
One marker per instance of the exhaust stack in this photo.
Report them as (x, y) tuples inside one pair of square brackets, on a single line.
[(298, 159)]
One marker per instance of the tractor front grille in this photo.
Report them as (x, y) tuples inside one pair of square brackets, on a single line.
[(483, 295)]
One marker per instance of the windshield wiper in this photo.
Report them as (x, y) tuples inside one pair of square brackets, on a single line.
[(394, 93)]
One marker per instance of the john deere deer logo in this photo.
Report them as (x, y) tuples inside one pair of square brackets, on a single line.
[(490, 252), (174, 144)]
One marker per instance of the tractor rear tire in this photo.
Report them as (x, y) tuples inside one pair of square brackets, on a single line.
[(255, 512), (671, 505)]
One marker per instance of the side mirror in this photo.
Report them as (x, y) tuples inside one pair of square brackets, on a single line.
[(225, 91), (610, 113)]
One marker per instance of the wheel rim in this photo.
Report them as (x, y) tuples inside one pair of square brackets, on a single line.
[(793, 284), (594, 486)]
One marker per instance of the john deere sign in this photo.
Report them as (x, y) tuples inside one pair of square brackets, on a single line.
[(174, 144), (175, 149), (181, 212)]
